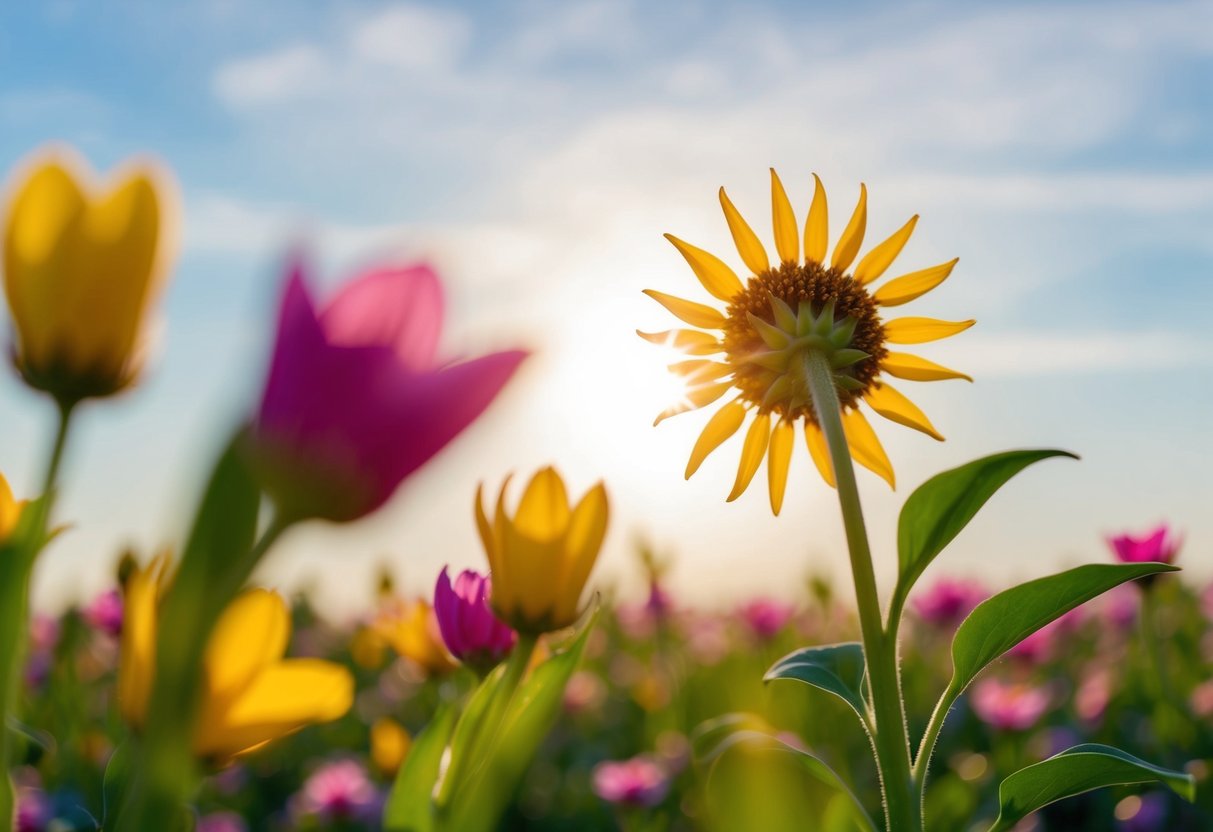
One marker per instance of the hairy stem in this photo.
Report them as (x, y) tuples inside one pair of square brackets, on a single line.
[(902, 810)]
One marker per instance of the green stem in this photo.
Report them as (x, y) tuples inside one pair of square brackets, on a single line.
[(927, 747), (166, 772), (17, 557), (880, 652), (490, 722)]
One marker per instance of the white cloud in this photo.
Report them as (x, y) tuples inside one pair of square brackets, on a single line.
[(287, 73), (1052, 353), (412, 37)]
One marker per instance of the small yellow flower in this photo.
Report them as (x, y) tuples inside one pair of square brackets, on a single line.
[(83, 264), (10, 510), (251, 694), (412, 631), (541, 557), (390, 744), (779, 314)]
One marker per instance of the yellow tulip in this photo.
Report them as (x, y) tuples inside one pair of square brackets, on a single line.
[(390, 744), (10, 510), (251, 695), (412, 631), (83, 264), (542, 556)]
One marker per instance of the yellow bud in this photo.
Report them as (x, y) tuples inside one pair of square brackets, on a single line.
[(541, 557), (390, 744), (83, 264)]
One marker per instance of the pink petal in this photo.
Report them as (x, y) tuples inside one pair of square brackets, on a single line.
[(397, 307)]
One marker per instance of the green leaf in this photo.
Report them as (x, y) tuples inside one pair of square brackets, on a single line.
[(837, 669), (479, 800), (940, 508), (409, 806), (1001, 622), (761, 741), (1075, 771)]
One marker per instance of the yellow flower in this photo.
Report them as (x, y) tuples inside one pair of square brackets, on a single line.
[(412, 631), (10, 510), (251, 695), (83, 264), (390, 744), (540, 559), (756, 347)]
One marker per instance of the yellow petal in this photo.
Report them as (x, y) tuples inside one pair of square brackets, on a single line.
[(913, 285), (712, 272), (865, 446), (915, 368), (282, 698), (748, 246), (752, 451), (534, 565), (137, 666), (699, 370), (897, 408), (876, 261), (695, 314), (787, 238), (921, 330), (502, 597), (543, 512), (696, 397), (690, 341), (587, 530), (779, 459), (817, 226), (390, 744), (250, 634), (852, 235), (10, 510), (819, 450), (723, 424)]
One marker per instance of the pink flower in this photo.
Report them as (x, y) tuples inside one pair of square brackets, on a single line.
[(471, 632), (104, 614), (1157, 545), (1038, 646), (355, 400), (949, 601), (639, 781), (1093, 694), (338, 790), (1008, 706), (221, 822), (33, 812), (766, 616)]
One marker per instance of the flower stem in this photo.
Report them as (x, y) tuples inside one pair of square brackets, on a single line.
[(17, 557), (880, 652)]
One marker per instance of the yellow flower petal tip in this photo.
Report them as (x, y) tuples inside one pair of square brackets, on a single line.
[(784, 312), (542, 555), (84, 263)]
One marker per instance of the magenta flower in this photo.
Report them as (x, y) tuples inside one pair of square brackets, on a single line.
[(1158, 545), (338, 790), (355, 400), (472, 633), (1008, 706), (33, 812), (104, 614), (639, 781), (221, 822), (949, 601), (766, 616)]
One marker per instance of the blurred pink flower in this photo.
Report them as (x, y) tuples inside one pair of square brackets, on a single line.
[(104, 613), (1120, 606), (585, 692), (472, 633), (33, 812), (338, 790), (355, 400), (948, 601), (1201, 700), (639, 781), (707, 637), (1008, 706), (1157, 545), (766, 616), (640, 621), (1093, 694), (221, 822), (1037, 647)]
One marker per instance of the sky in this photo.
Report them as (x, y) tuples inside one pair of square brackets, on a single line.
[(535, 152)]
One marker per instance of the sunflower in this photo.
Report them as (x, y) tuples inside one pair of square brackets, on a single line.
[(756, 347)]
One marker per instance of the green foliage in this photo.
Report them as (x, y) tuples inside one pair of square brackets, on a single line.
[(409, 807), (1001, 622), (837, 669), (1075, 771), (940, 508)]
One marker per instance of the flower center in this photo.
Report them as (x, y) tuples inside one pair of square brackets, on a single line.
[(792, 309)]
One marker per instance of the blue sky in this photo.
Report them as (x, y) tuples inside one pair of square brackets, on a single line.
[(536, 151)]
